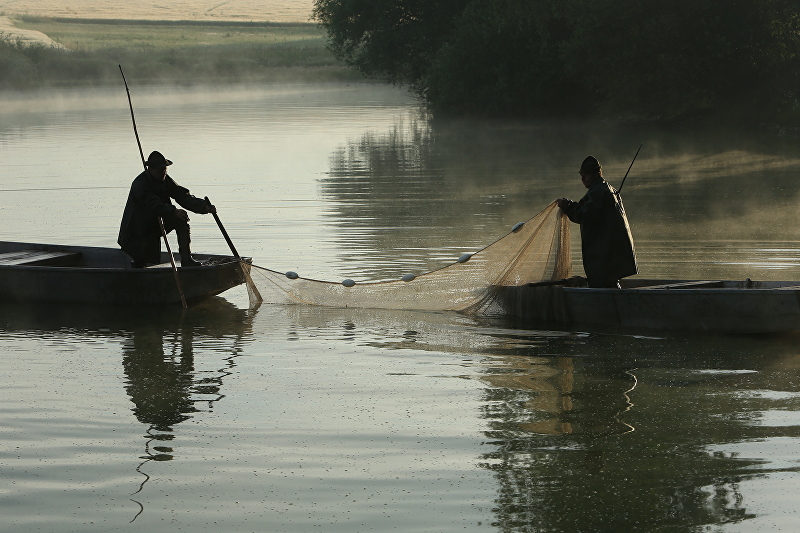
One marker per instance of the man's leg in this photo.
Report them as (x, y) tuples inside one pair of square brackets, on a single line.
[(183, 231), (138, 253)]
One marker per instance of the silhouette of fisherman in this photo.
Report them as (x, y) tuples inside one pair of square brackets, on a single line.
[(151, 197), (606, 241)]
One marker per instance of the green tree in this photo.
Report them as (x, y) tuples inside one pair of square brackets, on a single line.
[(392, 39), (664, 59), (503, 57), (555, 57)]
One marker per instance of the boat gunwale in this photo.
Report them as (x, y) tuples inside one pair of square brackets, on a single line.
[(158, 269), (107, 274), (684, 287)]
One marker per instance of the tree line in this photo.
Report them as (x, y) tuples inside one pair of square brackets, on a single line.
[(625, 58)]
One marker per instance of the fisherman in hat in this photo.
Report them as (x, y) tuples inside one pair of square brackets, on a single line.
[(150, 198), (606, 241)]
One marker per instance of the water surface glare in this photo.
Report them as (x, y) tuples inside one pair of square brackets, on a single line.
[(296, 419)]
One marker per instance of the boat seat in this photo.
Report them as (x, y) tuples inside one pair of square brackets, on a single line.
[(39, 258), (688, 285)]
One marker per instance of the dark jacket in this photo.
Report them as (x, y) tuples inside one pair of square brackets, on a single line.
[(149, 199), (606, 241)]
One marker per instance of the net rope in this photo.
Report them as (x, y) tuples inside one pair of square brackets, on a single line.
[(534, 251)]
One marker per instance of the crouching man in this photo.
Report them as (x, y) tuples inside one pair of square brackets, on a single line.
[(151, 197)]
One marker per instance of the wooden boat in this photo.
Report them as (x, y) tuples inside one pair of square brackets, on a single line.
[(32, 273), (680, 305)]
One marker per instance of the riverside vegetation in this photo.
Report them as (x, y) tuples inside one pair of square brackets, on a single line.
[(167, 52), (539, 58), (653, 60)]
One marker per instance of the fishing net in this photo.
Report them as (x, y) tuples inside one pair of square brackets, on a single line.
[(533, 251)]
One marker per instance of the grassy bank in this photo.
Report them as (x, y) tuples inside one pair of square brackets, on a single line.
[(167, 52)]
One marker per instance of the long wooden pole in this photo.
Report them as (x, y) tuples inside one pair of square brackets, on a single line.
[(160, 220), (225, 234), (629, 169), (250, 284)]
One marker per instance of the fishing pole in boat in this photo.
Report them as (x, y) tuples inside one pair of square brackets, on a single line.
[(629, 169), (250, 285), (160, 220)]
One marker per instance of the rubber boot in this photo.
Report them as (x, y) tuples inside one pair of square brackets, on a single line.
[(188, 261), (184, 249)]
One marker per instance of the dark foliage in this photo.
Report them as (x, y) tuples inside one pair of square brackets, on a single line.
[(394, 39), (555, 57), (503, 57)]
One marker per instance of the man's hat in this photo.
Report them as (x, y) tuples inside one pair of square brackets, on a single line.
[(155, 159), (590, 164)]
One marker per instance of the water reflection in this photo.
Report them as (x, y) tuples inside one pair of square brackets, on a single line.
[(158, 348), (592, 430), (542, 395), (160, 386), (566, 455), (159, 363), (162, 381), (605, 431)]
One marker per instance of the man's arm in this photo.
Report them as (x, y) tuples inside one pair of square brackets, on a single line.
[(186, 200), (150, 200), (588, 206), (573, 210)]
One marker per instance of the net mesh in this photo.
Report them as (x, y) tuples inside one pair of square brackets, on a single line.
[(534, 251)]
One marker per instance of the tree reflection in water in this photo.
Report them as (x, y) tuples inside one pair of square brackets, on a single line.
[(579, 446), (609, 431)]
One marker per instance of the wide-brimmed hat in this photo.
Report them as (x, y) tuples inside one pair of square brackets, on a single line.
[(590, 164), (155, 159)]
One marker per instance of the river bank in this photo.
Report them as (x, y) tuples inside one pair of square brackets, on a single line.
[(10, 31), (84, 52)]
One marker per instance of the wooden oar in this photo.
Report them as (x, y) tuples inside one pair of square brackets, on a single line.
[(160, 220), (250, 284)]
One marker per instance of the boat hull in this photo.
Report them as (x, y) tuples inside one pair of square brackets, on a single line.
[(677, 305), (104, 276)]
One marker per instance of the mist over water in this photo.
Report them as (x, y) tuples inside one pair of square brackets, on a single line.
[(369, 183), (292, 418)]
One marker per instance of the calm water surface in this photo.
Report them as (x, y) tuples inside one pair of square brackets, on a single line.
[(292, 418)]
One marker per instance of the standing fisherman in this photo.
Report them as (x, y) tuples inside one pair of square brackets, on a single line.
[(150, 198), (606, 241)]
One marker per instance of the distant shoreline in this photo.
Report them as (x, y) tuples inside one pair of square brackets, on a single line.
[(8, 28), (87, 52)]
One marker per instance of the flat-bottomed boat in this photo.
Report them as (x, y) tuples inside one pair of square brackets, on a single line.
[(32, 273)]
